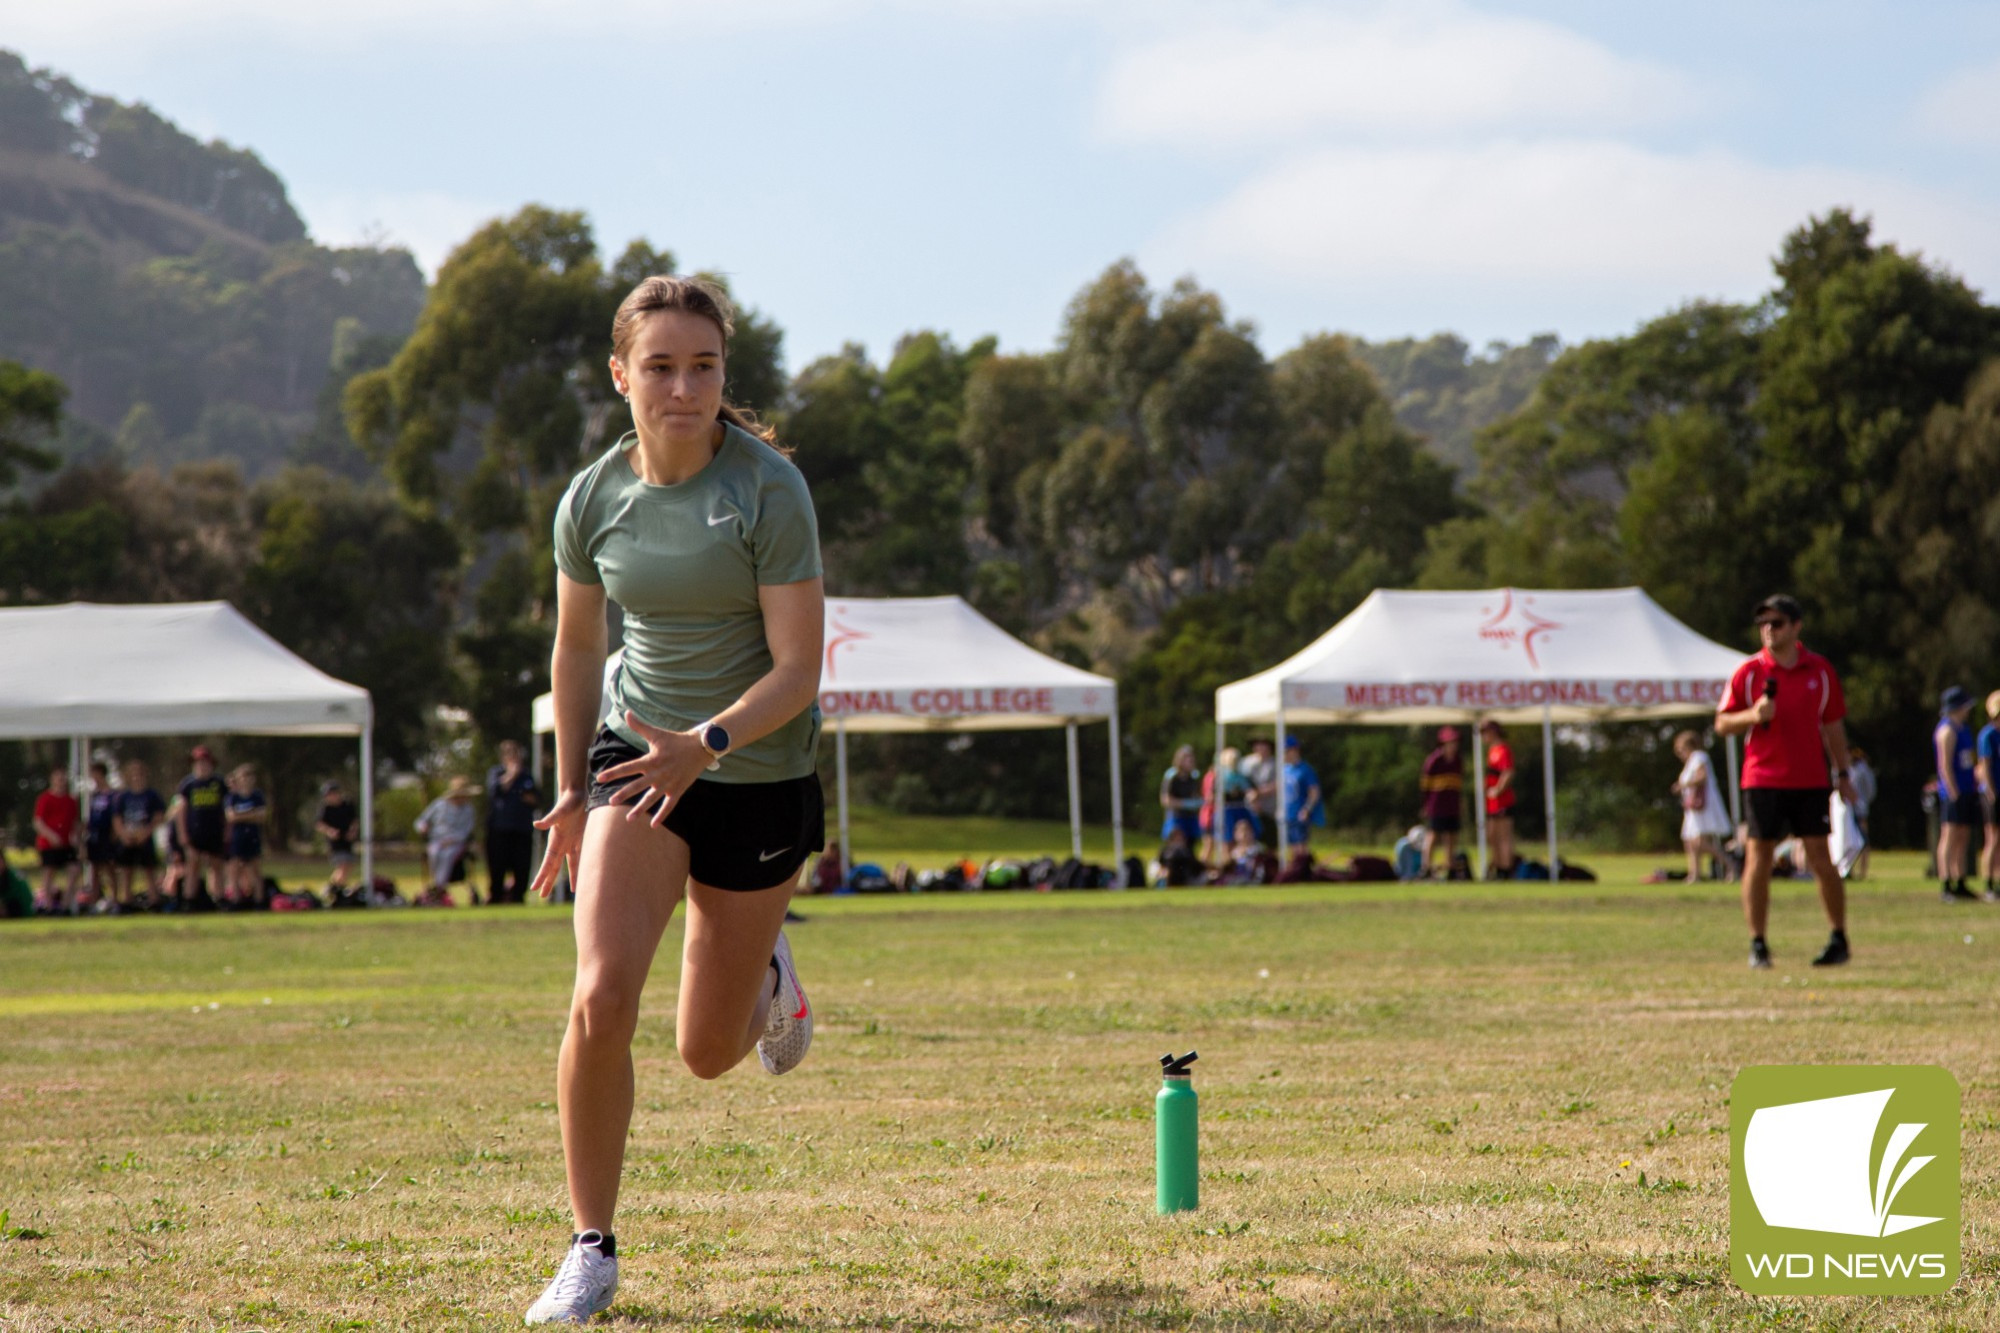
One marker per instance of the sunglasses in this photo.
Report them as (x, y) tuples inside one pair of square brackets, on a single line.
[(1772, 621)]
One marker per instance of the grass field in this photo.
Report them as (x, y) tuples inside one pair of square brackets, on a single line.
[(1437, 1107)]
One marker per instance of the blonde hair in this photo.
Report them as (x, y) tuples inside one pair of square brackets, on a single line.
[(1993, 704), (693, 296)]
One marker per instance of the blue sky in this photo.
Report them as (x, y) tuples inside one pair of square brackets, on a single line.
[(860, 168)]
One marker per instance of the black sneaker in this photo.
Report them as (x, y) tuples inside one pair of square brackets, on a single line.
[(1833, 955), (1955, 892), (1760, 955)]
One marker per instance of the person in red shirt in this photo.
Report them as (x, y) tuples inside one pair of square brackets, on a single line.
[(1499, 796), (1787, 702), (58, 826)]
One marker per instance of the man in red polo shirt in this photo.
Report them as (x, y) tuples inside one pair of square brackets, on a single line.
[(1787, 701)]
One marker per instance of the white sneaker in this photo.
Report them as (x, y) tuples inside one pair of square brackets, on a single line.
[(582, 1287), (789, 1030)]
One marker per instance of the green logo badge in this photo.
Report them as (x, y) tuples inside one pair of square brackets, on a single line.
[(1843, 1180)]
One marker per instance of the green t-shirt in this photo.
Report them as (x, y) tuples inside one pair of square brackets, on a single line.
[(685, 562)]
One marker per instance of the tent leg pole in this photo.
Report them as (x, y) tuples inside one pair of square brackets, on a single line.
[(368, 808), (1549, 784), (1284, 843), (1117, 807), (1479, 792), (1075, 795), (840, 782), (79, 764), (1735, 792)]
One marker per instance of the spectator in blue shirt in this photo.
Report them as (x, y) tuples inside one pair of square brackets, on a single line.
[(136, 816), (244, 811), (200, 824), (1303, 805), (100, 838), (1958, 794), (1988, 767)]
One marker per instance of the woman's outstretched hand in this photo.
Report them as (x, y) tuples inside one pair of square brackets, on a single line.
[(673, 760), (564, 825)]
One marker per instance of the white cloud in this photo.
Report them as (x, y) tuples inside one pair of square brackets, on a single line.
[(1415, 70), (428, 223), (1965, 107), (1557, 224)]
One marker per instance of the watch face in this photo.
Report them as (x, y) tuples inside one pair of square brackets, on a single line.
[(716, 739)]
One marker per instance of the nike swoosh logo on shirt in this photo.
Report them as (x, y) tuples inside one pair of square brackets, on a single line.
[(772, 856), (717, 520)]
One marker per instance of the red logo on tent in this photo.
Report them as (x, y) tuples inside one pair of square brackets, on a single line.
[(842, 635), (1090, 698), (1511, 624)]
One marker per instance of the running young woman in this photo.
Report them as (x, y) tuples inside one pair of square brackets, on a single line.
[(700, 784)]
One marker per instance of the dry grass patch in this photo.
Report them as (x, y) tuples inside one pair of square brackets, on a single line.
[(1490, 1108)]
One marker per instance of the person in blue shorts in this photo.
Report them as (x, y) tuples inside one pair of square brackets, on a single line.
[(244, 810), (1234, 797), (1180, 798)]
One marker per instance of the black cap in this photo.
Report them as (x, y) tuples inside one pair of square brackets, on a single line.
[(1953, 699), (1784, 604)]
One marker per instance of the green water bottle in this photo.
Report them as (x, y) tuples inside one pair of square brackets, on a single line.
[(1177, 1153)]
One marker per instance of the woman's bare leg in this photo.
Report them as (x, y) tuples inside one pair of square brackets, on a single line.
[(726, 976), (630, 877), (1693, 846)]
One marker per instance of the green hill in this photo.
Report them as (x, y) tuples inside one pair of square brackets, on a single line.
[(173, 287)]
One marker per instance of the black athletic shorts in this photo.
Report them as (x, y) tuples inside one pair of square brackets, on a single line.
[(1777, 813), (57, 857), (209, 842), (1442, 823), (1965, 810), (139, 855), (742, 836)]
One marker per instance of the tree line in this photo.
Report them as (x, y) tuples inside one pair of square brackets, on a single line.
[(1154, 497)]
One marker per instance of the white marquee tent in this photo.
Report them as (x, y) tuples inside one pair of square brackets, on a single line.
[(178, 669), (1511, 654), (912, 664)]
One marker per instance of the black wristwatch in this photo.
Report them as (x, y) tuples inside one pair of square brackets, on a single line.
[(714, 738)]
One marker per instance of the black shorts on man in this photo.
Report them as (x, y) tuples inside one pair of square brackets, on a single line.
[(1777, 813), (57, 857), (741, 836), (1442, 823)]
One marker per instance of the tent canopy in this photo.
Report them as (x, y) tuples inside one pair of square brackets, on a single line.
[(1504, 653), (186, 668), (934, 664)]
